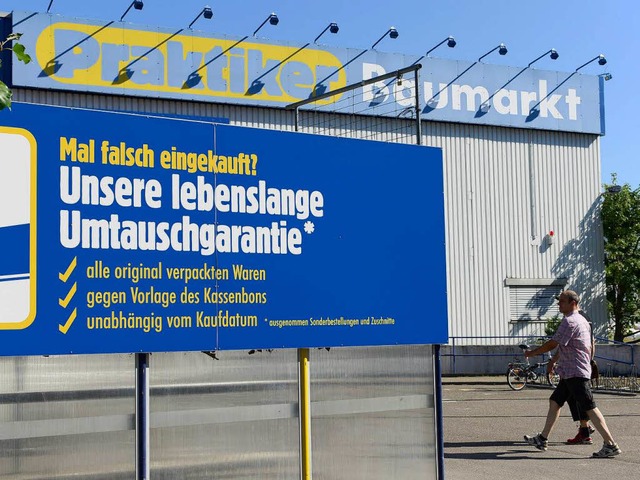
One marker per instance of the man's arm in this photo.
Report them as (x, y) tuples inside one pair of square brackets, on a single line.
[(544, 348), (552, 361)]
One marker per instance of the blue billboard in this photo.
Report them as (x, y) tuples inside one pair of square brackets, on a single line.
[(125, 233), (124, 59)]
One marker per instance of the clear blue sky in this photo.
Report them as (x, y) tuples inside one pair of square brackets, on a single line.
[(578, 29)]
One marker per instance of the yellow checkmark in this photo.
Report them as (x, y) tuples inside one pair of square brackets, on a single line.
[(72, 266), (67, 299), (65, 328)]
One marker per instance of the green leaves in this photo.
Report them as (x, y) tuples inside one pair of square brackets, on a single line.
[(18, 49), (552, 325), (5, 96), (621, 227), (22, 56), (12, 37)]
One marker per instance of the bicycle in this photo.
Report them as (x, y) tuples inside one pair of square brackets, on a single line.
[(521, 373)]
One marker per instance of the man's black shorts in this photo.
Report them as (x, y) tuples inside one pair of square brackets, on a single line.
[(578, 388)]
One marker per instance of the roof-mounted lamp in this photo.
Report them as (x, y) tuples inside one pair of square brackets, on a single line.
[(392, 32), (600, 58), (332, 27), (553, 54), (502, 50), (450, 41), (206, 12), (272, 19), (136, 4)]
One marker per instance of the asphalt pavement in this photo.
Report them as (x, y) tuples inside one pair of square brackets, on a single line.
[(484, 424)]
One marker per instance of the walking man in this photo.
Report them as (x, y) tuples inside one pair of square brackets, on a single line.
[(573, 338), (585, 430)]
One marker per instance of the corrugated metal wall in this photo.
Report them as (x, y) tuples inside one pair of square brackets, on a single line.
[(505, 189), (70, 417)]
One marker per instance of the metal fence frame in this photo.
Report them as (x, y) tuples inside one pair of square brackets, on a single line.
[(395, 74), (608, 382)]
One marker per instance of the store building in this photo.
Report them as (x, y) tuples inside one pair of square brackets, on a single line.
[(521, 161)]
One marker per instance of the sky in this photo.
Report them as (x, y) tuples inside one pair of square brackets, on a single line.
[(578, 29)]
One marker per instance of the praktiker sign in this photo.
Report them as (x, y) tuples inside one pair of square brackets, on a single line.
[(125, 59)]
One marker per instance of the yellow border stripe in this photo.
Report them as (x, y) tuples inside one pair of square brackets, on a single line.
[(32, 229)]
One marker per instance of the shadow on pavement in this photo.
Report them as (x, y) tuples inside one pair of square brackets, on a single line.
[(516, 452), (479, 444), (506, 455)]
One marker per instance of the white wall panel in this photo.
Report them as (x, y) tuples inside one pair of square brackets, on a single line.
[(500, 193)]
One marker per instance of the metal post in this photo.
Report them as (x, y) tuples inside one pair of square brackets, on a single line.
[(304, 413), (453, 351), (437, 404), (418, 121), (532, 194), (296, 118), (142, 416)]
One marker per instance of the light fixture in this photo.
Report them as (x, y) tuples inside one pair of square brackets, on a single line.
[(49, 7), (502, 50), (614, 189), (486, 105), (550, 237), (450, 41), (206, 12), (137, 4), (606, 76), (392, 32), (272, 19), (332, 27), (600, 58), (552, 53)]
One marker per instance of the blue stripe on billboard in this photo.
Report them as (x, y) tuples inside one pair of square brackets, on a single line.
[(157, 234), (15, 256)]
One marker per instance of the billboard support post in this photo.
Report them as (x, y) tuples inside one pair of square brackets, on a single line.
[(304, 413), (437, 400), (142, 416)]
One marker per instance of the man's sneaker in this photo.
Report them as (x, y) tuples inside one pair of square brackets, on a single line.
[(608, 451), (580, 439), (537, 441), (591, 429)]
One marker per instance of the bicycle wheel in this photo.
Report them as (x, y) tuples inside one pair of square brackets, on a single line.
[(553, 378), (516, 378)]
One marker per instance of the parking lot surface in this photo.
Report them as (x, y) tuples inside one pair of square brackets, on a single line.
[(484, 422)]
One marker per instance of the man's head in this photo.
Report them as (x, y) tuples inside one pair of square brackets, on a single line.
[(568, 302)]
